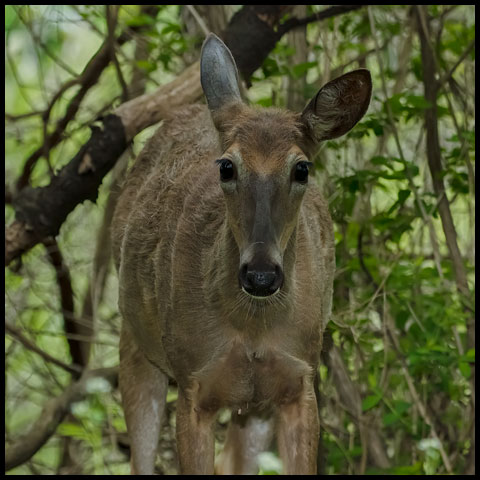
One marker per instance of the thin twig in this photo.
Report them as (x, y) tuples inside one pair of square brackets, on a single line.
[(198, 19), (22, 449), (448, 75), (67, 303), (87, 79), (112, 17), (413, 391), (15, 118), (324, 14), (37, 40), (18, 335), (427, 219)]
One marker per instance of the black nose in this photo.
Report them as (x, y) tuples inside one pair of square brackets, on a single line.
[(260, 280)]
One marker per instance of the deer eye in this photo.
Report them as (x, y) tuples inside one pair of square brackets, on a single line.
[(227, 170), (300, 172)]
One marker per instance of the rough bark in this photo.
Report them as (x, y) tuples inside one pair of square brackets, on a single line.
[(40, 212), (296, 85)]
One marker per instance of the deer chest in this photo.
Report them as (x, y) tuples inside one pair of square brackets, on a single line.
[(245, 379)]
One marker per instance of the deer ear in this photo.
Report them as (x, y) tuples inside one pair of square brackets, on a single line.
[(338, 105), (218, 74)]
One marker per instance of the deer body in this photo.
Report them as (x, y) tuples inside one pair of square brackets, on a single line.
[(226, 285)]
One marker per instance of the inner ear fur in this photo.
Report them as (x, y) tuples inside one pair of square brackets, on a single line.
[(338, 105)]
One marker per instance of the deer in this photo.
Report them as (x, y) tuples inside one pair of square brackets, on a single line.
[(225, 254)]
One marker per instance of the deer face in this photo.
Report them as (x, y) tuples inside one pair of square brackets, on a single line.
[(264, 175), (264, 170)]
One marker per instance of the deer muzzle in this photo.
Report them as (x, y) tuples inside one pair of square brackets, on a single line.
[(260, 279)]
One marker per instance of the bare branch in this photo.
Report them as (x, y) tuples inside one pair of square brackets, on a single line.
[(411, 386), (448, 75), (71, 325), (87, 79), (316, 17), (41, 211), (112, 17), (198, 19), (27, 445), (18, 335)]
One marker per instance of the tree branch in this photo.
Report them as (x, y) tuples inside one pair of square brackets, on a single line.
[(89, 77), (76, 347), (54, 411), (111, 13), (75, 370), (316, 17), (426, 217), (255, 29), (41, 211), (431, 87), (411, 385)]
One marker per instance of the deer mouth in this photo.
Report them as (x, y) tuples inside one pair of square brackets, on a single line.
[(262, 297)]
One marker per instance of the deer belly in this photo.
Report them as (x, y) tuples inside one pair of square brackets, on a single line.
[(255, 380)]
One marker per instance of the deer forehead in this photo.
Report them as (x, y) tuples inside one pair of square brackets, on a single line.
[(266, 139), (265, 163)]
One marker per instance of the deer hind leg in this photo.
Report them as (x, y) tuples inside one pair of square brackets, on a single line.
[(247, 436), (144, 390)]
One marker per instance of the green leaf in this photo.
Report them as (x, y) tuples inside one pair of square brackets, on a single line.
[(270, 68), (370, 401), (146, 66), (10, 18), (264, 102), (414, 469), (390, 418), (140, 20), (379, 160), (465, 369), (470, 355), (72, 430), (401, 406), (302, 68), (403, 195), (418, 102)]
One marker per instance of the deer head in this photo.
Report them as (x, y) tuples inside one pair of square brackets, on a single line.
[(266, 159)]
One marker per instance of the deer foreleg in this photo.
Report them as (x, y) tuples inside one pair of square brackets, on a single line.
[(298, 433), (195, 439)]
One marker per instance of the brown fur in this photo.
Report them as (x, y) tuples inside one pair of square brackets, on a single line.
[(178, 242), (178, 267)]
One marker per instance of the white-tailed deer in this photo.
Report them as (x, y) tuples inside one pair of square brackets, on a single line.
[(225, 256)]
